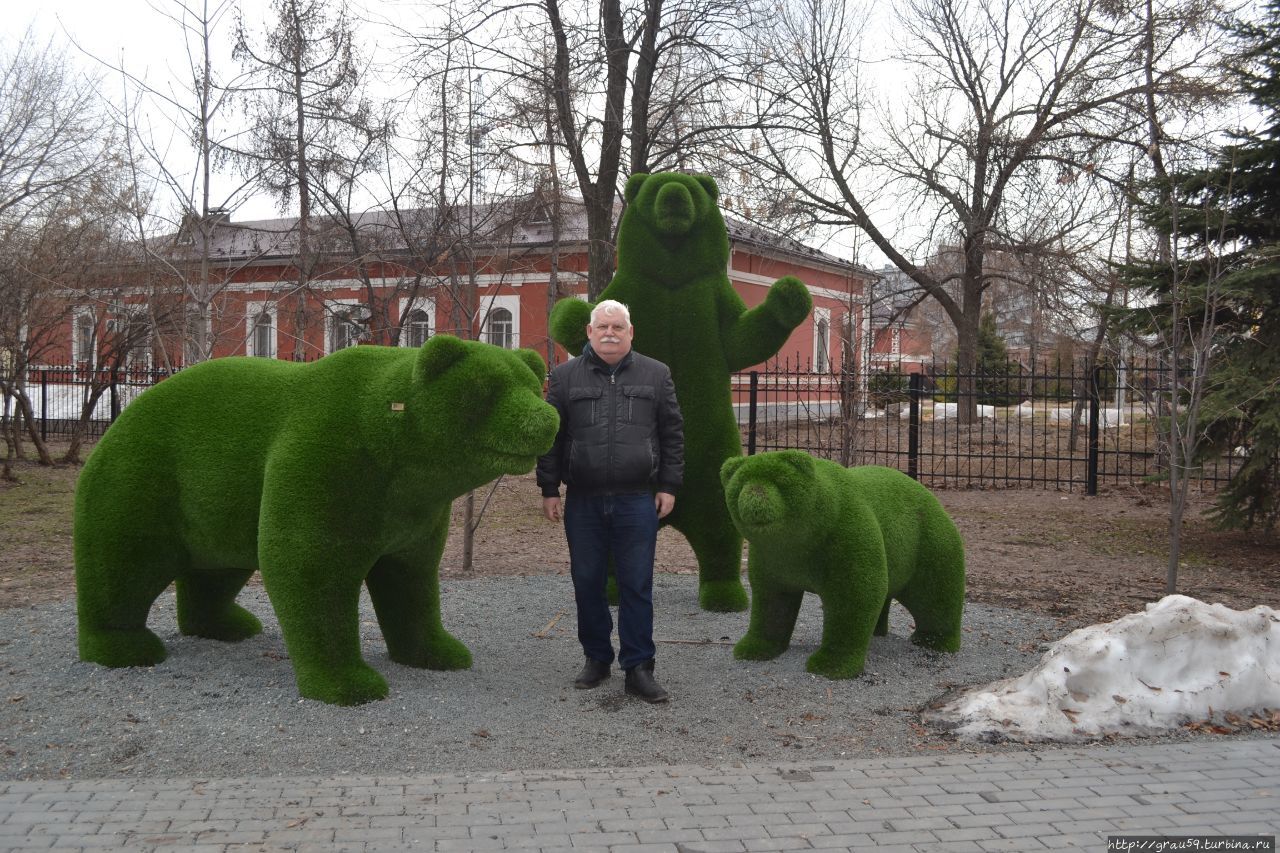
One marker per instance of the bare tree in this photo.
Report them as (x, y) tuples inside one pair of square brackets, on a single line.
[(313, 133), (635, 86), (1012, 116), (53, 151)]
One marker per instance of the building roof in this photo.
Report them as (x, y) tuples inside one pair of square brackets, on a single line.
[(515, 225)]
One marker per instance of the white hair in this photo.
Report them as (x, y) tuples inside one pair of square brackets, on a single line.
[(611, 306)]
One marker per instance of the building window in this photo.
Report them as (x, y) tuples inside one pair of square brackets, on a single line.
[(822, 341), (500, 328), (347, 326), (417, 328), (262, 334), (83, 344)]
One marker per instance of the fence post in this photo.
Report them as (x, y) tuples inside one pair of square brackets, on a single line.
[(751, 413), (916, 390), (1095, 390), (115, 397), (44, 405)]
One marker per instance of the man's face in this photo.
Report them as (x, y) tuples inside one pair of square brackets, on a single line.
[(610, 337)]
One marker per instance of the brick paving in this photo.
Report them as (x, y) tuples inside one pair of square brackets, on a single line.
[(1060, 799)]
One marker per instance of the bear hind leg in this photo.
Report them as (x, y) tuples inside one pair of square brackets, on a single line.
[(207, 607), (112, 607), (938, 619), (718, 546)]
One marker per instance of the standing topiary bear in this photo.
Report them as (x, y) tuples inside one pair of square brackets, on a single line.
[(323, 476), (857, 537), (673, 253)]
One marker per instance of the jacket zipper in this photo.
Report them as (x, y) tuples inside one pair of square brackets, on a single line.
[(611, 414)]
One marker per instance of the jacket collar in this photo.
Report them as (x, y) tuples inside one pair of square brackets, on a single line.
[(594, 360)]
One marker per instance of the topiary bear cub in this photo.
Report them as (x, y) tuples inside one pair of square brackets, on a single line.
[(673, 257), (858, 537), (323, 476)]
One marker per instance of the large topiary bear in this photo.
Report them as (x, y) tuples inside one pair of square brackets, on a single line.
[(673, 253), (857, 537), (323, 476)]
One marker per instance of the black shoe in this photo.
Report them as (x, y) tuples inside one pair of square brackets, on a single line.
[(593, 672), (641, 684)]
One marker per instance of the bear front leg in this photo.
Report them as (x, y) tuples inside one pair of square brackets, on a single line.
[(850, 614), (774, 608), (406, 596), (317, 601), (568, 323)]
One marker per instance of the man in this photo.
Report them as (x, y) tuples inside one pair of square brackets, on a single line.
[(620, 452)]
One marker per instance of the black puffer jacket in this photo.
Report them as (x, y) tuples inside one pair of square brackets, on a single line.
[(620, 433)]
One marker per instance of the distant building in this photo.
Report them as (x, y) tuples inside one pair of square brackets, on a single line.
[(397, 278)]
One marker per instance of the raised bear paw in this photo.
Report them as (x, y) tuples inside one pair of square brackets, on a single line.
[(835, 666), (726, 596), (569, 320), (789, 300)]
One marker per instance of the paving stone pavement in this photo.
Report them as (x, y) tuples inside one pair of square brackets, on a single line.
[(1058, 799)]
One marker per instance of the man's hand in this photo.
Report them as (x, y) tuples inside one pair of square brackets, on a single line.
[(551, 508), (664, 503)]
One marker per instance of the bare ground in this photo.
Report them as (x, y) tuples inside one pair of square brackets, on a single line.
[(1082, 559)]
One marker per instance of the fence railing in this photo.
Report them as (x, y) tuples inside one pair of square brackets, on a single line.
[(1062, 426), (1069, 427)]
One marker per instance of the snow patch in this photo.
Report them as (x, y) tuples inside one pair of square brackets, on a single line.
[(1144, 673)]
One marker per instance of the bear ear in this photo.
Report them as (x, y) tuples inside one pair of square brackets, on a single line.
[(437, 355), (633, 186), (799, 460), (730, 467), (709, 184), (534, 362)]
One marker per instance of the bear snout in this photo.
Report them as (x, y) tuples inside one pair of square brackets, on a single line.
[(760, 505), (674, 209)]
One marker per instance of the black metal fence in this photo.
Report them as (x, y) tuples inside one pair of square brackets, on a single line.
[(1064, 426), (1068, 427)]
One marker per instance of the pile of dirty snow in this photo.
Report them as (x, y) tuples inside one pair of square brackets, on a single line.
[(1144, 673)]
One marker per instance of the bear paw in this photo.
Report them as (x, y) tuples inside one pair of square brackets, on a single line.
[(937, 642), (835, 666), (442, 652), (727, 596), (230, 626), (789, 300), (569, 320), (139, 647), (755, 648), (353, 685)]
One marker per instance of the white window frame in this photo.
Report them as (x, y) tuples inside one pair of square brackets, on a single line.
[(489, 304), (329, 306), (821, 357), (252, 311), (417, 303)]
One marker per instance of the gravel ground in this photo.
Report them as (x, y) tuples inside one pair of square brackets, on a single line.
[(218, 710)]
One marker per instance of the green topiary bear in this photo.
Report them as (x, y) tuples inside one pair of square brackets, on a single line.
[(673, 253), (857, 537), (323, 476)]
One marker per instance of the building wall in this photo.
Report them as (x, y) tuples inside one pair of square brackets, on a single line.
[(519, 286)]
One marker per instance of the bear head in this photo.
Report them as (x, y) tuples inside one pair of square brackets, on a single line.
[(672, 230), (772, 495), (478, 409)]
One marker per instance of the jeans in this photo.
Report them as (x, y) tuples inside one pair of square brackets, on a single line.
[(626, 527)]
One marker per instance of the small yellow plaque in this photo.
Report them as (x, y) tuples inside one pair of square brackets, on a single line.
[(397, 407)]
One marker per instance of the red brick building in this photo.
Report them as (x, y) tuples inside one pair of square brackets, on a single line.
[(397, 278)]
